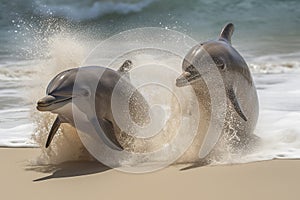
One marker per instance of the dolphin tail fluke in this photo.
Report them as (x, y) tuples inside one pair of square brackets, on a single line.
[(233, 99), (227, 32), (53, 130)]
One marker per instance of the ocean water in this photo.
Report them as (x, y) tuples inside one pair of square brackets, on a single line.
[(40, 38)]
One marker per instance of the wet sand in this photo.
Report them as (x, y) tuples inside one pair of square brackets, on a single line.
[(277, 179)]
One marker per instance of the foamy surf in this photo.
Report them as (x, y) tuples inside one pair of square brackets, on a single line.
[(278, 120), (277, 126), (273, 74)]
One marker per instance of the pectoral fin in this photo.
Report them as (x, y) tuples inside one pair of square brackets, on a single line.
[(233, 99), (53, 130), (107, 134)]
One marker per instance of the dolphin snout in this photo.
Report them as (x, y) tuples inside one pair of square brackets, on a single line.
[(45, 101), (50, 102)]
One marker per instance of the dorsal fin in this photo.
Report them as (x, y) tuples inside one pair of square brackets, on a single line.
[(227, 32), (126, 66)]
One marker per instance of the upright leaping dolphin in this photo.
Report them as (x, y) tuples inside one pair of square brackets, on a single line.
[(242, 102)]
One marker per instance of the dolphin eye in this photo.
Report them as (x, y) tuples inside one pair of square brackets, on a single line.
[(191, 69), (220, 64), (84, 92), (222, 67)]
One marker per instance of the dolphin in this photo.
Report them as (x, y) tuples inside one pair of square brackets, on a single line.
[(61, 94), (242, 102)]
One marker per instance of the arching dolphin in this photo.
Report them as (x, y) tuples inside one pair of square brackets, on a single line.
[(61, 93), (242, 101)]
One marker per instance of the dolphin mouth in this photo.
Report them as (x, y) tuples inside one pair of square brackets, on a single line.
[(186, 78), (49, 102)]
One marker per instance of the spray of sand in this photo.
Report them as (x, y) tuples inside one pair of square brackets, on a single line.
[(56, 52), (63, 50)]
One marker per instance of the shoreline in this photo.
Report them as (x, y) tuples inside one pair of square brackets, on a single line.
[(276, 179)]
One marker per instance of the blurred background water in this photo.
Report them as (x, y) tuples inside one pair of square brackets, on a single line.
[(262, 27)]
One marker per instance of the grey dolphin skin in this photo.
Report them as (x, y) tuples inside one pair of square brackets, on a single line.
[(242, 101), (61, 94)]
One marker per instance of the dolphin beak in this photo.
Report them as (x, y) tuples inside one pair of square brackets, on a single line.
[(48, 102), (183, 79), (43, 103)]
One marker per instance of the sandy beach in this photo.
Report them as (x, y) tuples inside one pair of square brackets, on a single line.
[(278, 179)]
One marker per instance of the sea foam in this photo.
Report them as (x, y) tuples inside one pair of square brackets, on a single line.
[(277, 79)]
